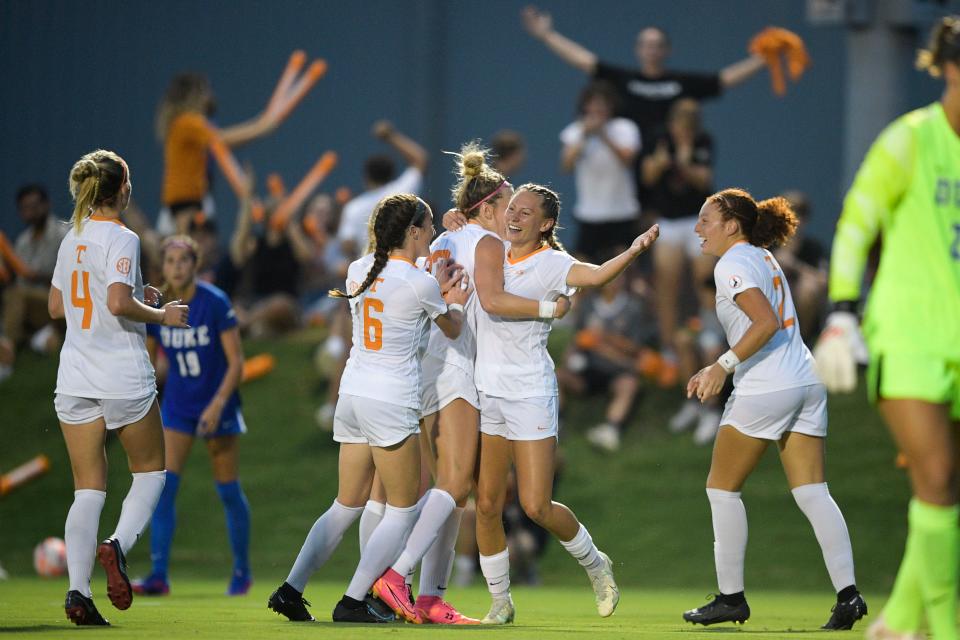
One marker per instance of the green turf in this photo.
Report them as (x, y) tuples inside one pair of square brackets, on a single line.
[(645, 506), (196, 609)]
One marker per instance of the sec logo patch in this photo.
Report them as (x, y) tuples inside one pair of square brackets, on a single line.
[(735, 282), (123, 265)]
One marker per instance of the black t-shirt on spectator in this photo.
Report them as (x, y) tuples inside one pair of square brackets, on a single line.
[(672, 197), (646, 100), (274, 269)]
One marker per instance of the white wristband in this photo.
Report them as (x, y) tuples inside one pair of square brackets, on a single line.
[(456, 306), (728, 361), (548, 309)]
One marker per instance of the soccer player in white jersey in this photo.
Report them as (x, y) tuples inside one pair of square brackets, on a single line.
[(105, 381), (392, 303), (777, 397), (518, 398), (450, 404)]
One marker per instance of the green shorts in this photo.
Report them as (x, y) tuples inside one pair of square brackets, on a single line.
[(915, 377)]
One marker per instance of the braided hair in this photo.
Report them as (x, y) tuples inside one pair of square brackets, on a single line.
[(392, 216), (550, 201)]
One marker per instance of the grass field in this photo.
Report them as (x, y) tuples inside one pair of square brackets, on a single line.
[(34, 608), (645, 506)]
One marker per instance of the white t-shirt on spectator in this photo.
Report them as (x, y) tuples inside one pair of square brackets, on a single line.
[(606, 189), (356, 213)]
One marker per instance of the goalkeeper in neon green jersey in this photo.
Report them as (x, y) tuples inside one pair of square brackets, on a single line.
[(908, 192)]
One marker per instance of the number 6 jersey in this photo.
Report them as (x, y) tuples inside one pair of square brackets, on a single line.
[(784, 362), (391, 322), (103, 356)]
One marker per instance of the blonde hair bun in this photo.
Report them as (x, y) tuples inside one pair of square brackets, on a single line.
[(471, 164)]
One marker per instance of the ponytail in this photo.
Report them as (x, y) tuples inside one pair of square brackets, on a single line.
[(767, 224), (944, 47), (96, 179)]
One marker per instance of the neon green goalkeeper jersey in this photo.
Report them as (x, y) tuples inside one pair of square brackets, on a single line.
[(908, 191)]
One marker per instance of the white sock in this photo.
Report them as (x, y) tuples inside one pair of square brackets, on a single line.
[(831, 530), (437, 564), (324, 536), (138, 507), (496, 571), (80, 534), (586, 553), (372, 515), (382, 549), (729, 538), (436, 509)]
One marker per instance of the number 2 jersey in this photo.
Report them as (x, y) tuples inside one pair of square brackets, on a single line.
[(784, 362), (195, 353), (103, 356), (390, 328)]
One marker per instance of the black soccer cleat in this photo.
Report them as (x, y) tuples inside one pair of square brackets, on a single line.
[(380, 607), (289, 602), (111, 558), (845, 614), (82, 612), (349, 611), (718, 611)]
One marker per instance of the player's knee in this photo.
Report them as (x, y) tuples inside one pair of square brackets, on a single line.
[(537, 508), (489, 508)]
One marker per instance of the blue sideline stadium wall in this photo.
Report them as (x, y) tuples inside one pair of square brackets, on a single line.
[(81, 75)]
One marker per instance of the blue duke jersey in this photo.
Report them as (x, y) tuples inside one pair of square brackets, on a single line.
[(197, 360)]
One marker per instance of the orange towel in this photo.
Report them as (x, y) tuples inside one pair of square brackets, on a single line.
[(258, 366), (774, 42)]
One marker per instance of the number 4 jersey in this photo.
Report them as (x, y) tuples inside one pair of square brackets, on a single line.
[(195, 353), (103, 356), (391, 322), (784, 362)]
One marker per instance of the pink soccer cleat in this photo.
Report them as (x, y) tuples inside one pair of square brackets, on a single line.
[(393, 591), (436, 610)]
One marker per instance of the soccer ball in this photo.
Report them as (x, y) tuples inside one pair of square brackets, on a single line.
[(50, 558)]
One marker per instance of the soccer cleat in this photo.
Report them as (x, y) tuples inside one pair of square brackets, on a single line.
[(82, 612), (111, 558), (845, 614), (394, 592), (718, 611), (501, 611), (152, 585), (239, 584), (379, 607), (289, 602), (605, 588), (436, 610), (344, 612), (880, 631)]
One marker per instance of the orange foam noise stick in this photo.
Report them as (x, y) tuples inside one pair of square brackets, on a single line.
[(298, 91), (294, 65), (258, 366), (24, 473), (258, 212), (275, 186), (314, 177), (235, 174), (11, 258)]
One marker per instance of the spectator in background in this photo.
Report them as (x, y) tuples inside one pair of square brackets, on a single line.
[(601, 358), (272, 262), (380, 180), (25, 299), (328, 266), (647, 92), (678, 176), (508, 151), (805, 264), (183, 127), (600, 149)]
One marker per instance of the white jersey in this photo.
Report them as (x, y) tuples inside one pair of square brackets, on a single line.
[(390, 329), (784, 361), (461, 247), (512, 357), (103, 356)]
